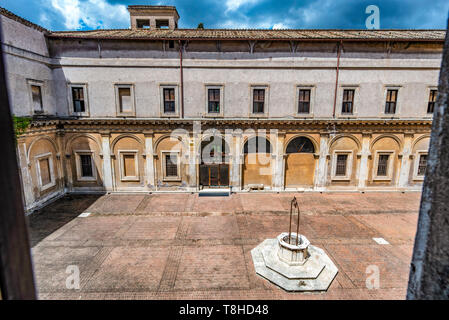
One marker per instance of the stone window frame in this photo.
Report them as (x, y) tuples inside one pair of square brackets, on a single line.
[(398, 101), (121, 153), (312, 89), (79, 176), (37, 160), (356, 101), (132, 113), (38, 83), (206, 90), (390, 166), (428, 90), (349, 165), (163, 86), (417, 157), (163, 160), (86, 113), (265, 113)]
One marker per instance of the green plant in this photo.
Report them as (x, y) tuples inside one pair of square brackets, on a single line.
[(200, 25), (21, 124)]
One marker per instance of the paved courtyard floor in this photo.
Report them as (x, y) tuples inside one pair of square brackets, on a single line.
[(182, 246)]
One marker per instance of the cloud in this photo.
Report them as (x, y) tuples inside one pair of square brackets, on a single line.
[(232, 5), (90, 14)]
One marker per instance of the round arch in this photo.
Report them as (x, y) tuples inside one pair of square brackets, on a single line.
[(350, 136), (256, 144), (300, 144), (73, 138), (53, 143), (126, 135), (391, 136), (415, 142)]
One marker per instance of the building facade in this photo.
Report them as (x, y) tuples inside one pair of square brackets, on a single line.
[(155, 108)]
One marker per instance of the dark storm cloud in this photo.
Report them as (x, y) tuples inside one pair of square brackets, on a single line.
[(410, 14)]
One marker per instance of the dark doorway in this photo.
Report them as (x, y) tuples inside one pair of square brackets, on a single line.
[(214, 166)]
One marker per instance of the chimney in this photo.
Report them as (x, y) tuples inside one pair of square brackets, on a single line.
[(153, 17)]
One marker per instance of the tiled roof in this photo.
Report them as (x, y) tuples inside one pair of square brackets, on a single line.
[(14, 17), (237, 34)]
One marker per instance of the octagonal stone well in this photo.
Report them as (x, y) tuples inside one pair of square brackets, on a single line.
[(294, 264)]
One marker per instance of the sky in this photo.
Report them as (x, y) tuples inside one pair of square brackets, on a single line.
[(58, 15)]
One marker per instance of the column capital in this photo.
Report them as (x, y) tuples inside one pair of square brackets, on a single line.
[(148, 133), (366, 134), (105, 133), (409, 134)]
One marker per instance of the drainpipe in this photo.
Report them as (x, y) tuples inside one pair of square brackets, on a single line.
[(339, 45), (182, 79)]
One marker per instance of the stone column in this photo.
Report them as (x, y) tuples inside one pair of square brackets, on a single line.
[(237, 160), (107, 163), (60, 158), (321, 171), (27, 182), (404, 172), (278, 168), (149, 164), (193, 143), (364, 156)]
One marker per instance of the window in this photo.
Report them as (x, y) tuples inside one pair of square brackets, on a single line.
[(213, 97), (340, 169), (171, 166), (422, 165), (169, 100), (382, 165), (162, 24), (86, 165), (44, 168), (171, 44), (348, 101), (78, 99), (125, 99), (129, 165), (36, 95), (258, 100), (304, 101), (432, 99), (143, 23), (390, 105)]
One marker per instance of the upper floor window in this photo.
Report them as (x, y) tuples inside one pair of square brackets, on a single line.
[(78, 99), (125, 99), (258, 100), (391, 101), (432, 100), (169, 100), (304, 101), (36, 97), (348, 101), (143, 23), (213, 100)]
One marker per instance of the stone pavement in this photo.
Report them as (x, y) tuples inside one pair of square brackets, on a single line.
[(182, 246)]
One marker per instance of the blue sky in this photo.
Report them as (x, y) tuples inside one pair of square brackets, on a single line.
[(266, 14)]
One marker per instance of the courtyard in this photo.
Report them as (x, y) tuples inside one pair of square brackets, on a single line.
[(184, 246)]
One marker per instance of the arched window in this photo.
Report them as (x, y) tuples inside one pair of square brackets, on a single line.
[(214, 150), (257, 145), (300, 145)]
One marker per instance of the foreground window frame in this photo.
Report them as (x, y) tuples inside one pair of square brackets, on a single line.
[(431, 100)]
